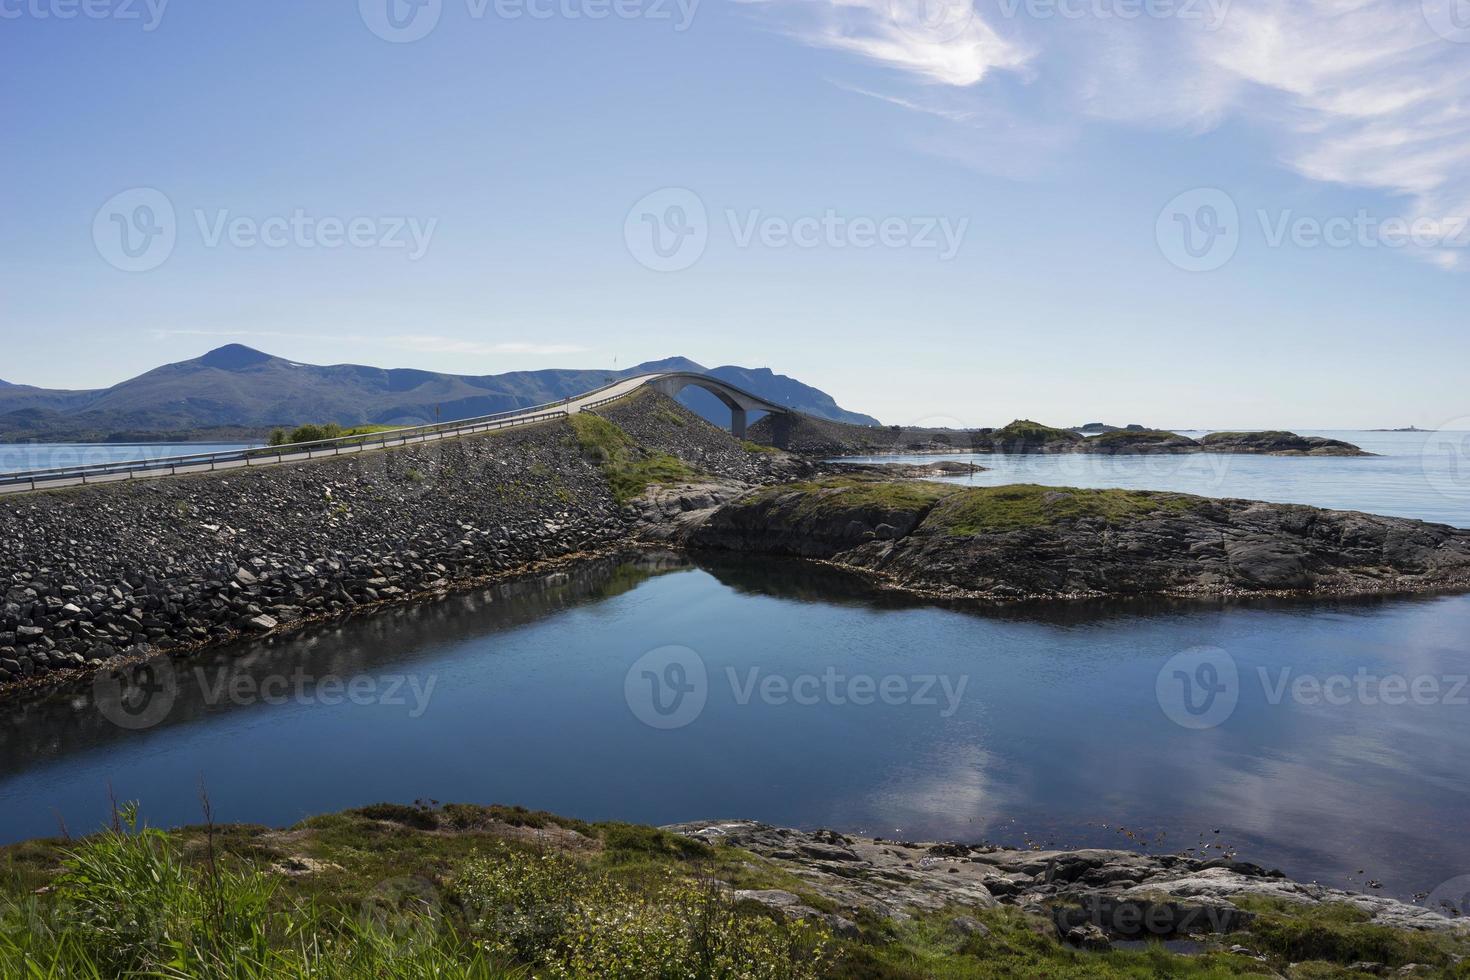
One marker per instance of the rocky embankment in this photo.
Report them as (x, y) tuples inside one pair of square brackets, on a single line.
[(819, 437), (124, 570), (1093, 896), (1024, 542)]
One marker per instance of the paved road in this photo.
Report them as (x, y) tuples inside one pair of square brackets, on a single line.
[(181, 465)]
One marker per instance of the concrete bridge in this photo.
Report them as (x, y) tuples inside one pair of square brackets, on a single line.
[(739, 401)]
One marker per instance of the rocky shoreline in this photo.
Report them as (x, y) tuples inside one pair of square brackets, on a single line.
[(98, 576), (549, 895), (808, 436), (1025, 542), (1094, 896)]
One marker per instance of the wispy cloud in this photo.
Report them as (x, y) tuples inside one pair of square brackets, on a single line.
[(422, 343), (942, 41), (1359, 93)]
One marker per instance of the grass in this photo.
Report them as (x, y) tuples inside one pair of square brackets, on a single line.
[(1029, 431), (756, 447), (859, 493), (1342, 934), (966, 511), (1134, 435), (312, 432), (979, 510), (494, 893), (628, 467), (1015, 946)]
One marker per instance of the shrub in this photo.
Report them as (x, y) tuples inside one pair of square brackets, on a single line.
[(547, 911)]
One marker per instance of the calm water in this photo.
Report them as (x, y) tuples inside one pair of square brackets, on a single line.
[(1061, 725), (1052, 725), (1418, 474), (19, 456)]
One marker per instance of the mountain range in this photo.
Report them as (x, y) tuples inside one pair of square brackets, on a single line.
[(236, 391)]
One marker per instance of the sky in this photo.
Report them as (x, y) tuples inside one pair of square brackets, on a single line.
[(1188, 213)]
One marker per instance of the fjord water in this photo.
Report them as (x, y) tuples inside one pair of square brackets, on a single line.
[(16, 457), (1423, 475), (1043, 724), (1055, 724)]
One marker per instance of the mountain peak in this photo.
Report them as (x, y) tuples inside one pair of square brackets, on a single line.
[(234, 357)]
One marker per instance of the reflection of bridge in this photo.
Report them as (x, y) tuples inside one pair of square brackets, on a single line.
[(739, 401)]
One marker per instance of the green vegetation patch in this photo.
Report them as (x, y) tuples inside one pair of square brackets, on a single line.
[(628, 467), (312, 432), (1025, 430), (1341, 933), (858, 493), (756, 447), (464, 891), (980, 510), (1274, 435), (1017, 946), (1135, 435)]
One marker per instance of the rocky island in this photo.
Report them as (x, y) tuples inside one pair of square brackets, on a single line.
[(822, 437), (1029, 542)]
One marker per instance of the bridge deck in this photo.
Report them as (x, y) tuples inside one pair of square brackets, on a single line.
[(169, 466)]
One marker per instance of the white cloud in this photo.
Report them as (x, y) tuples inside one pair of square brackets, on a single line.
[(1359, 93), (939, 41)]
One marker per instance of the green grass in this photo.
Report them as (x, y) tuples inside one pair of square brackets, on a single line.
[(979, 510), (1029, 431), (756, 447), (312, 432), (493, 893), (1272, 434), (1134, 435), (858, 492), (1340, 934), (628, 467), (1018, 947)]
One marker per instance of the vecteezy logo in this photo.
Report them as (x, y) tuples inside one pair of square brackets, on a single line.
[(137, 696), (135, 230), (402, 907), (1199, 230), (1198, 688), (667, 231), (932, 21), (1450, 19), (667, 687), (1452, 898), (1445, 459), (400, 21)]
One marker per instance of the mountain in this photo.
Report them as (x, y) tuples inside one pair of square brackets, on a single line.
[(239, 388)]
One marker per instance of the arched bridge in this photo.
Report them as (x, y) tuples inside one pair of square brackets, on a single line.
[(739, 401)]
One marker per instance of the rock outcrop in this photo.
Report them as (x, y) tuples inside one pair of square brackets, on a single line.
[(1025, 542), (120, 571), (819, 437), (1120, 894)]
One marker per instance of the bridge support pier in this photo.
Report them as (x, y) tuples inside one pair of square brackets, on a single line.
[(737, 423)]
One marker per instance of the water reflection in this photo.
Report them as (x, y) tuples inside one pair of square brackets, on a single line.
[(1059, 735)]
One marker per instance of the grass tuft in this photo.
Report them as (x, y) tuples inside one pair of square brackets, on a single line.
[(628, 468), (981, 510)]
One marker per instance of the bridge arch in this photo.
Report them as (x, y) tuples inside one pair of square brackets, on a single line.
[(738, 401)]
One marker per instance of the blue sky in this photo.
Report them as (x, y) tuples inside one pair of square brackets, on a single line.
[(934, 211)]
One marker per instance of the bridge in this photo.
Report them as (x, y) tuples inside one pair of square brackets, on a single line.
[(739, 401)]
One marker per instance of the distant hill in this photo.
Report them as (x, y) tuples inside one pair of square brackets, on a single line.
[(237, 388)]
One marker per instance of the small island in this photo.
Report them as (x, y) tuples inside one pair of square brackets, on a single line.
[(809, 436)]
